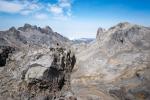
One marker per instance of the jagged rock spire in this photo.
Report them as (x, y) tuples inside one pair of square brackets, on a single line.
[(99, 32)]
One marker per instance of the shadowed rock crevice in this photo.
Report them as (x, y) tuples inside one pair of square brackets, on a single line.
[(4, 54)]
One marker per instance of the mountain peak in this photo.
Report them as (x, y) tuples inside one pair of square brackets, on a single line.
[(48, 29), (12, 29), (33, 35), (27, 26), (124, 23), (121, 25), (100, 30)]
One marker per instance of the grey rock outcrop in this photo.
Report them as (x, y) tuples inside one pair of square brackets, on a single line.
[(33, 66), (100, 34), (120, 58), (37, 74)]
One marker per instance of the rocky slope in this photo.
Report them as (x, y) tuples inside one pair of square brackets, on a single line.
[(37, 74), (116, 66), (34, 66), (31, 35), (80, 44)]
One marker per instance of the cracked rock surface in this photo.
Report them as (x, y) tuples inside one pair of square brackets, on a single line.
[(37, 74), (116, 66)]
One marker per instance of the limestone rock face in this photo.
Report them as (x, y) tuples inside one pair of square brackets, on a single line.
[(116, 62), (100, 34), (37, 74), (123, 45), (34, 66)]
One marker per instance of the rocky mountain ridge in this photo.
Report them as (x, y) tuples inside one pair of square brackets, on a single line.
[(118, 62), (113, 67), (35, 64), (32, 35)]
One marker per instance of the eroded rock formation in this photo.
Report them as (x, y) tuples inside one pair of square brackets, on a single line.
[(116, 66), (39, 74)]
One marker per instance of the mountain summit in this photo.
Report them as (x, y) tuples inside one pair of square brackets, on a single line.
[(32, 35), (117, 63)]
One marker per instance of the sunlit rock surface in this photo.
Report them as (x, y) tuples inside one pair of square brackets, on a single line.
[(39, 64), (35, 64), (37, 73), (116, 66)]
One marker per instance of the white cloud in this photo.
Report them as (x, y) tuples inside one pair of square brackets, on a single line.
[(56, 9), (65, 4), (41, 16), (25, 12), (69, 13), (16, 6), (30, 8), (33, 6), (64, 0), (10, 7), (61, 10)]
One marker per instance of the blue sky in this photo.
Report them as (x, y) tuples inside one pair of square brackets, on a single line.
[(73, 18)]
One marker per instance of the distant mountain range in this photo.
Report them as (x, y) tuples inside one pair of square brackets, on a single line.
[(32, 35), (83, 40)]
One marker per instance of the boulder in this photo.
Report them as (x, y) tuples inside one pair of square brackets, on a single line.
[(38, 74)]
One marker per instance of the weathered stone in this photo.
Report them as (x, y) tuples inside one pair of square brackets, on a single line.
[(118, 58), (35, 72), (44, 72)]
